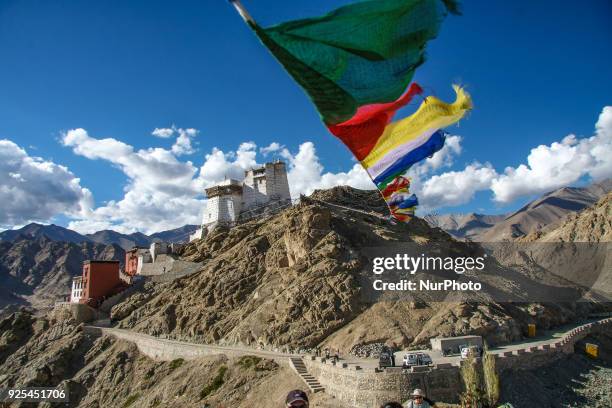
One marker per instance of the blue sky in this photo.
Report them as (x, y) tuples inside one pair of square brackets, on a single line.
[(537, 71)]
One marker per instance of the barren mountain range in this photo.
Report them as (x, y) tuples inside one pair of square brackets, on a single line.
[(542, 214), (107, 237)]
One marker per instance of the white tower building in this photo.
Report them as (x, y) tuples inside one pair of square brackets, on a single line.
[(262, 187)]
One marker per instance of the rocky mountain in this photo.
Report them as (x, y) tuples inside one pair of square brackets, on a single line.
[(53, 232), (301, 278), (128, 241), (178, 235), (462, 226), (125, 241), (106, 237), (37, 271), (541, 214), (592, 225)]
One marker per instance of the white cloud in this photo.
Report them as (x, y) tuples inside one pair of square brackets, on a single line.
[(34, 189), (560, 164), (219, 165), (161, 192), (165, 192), (164, 133), (182, 145), (306, 173), (271, 148), (456, 187)]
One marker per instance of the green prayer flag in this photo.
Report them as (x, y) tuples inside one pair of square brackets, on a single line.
[(359, 54)]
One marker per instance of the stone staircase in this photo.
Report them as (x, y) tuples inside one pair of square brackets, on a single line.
[(298, 365)]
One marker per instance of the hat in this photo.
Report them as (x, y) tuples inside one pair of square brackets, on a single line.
[(418, 393), (296, 395)]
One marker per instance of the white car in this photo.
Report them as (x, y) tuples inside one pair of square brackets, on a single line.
[(416, 359)]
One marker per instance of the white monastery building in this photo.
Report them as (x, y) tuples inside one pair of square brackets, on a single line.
[(77, 289), (229, 200)]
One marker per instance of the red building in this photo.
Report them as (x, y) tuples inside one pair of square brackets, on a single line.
[(100, 280)]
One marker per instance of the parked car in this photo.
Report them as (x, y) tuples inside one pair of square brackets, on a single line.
[(471, 351), (410, 360), (416, 359), (426, 359)]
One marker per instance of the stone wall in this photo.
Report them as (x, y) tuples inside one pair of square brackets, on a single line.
[(81, 312), (168, 350), (252, 197), (534, 357), (369, 388)]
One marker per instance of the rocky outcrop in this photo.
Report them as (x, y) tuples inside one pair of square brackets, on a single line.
[(594, 224), (43, 352), (285, 281)]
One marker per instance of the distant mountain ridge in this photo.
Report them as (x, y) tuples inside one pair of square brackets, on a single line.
[(106, 237), (53, 232), (464, 225), (37, 271), (541, 214)]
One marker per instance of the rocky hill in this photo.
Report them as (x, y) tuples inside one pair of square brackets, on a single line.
[(297, 278), (593, 225), (38, 272)]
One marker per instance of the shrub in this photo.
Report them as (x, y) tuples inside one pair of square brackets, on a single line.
[(174, 364), (247, 362), (491, 378), (150, 373), (215, 383)]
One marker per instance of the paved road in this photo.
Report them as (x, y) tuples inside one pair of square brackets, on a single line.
[(547, 337)]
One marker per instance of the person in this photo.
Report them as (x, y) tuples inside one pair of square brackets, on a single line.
[(391, 404), (418, 400), (297, 399)]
